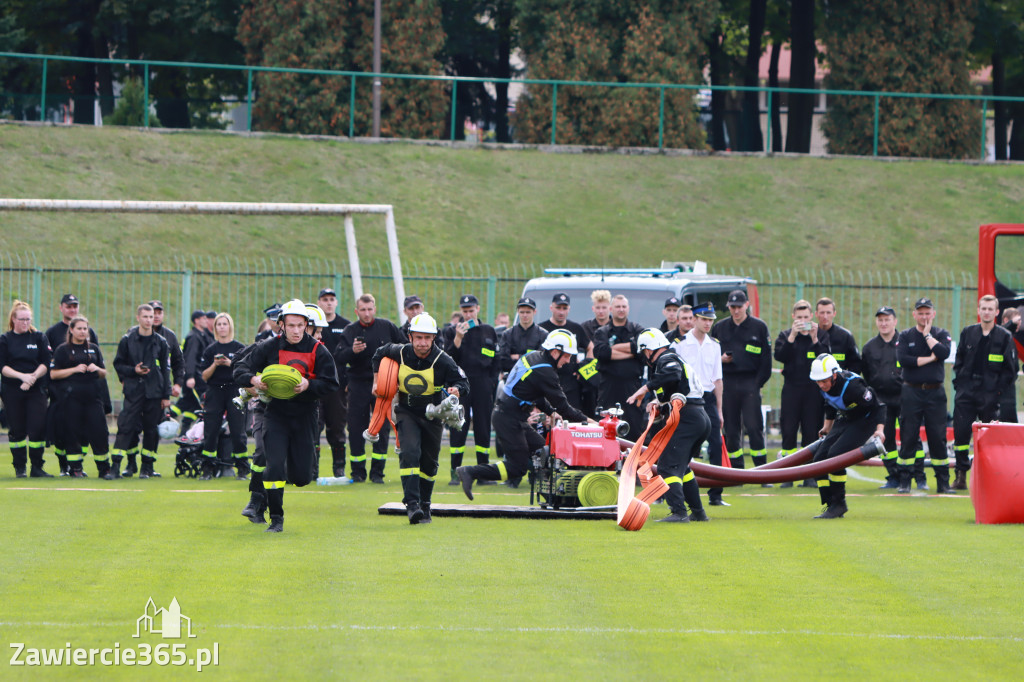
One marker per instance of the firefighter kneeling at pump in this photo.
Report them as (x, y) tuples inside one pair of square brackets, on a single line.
[(533, 382), (672, 379), (853, 415), (422, 409)]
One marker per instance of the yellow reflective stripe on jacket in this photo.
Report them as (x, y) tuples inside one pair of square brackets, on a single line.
[(756, 350), (487, 351), (995, 357), (839, 356), (811, 355), (588, 370)]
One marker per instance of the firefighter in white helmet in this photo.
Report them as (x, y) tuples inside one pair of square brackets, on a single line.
[(671, 378), (426, 375), (533, 382), (853, 414)]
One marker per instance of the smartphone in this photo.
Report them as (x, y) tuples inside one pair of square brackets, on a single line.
[(219, 356), (360, 339), (728, 353), (471, 323)]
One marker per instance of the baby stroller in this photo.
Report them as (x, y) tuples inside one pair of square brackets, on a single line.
[(191, 463)]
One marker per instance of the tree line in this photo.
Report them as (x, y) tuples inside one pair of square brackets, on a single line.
[(869, 45)]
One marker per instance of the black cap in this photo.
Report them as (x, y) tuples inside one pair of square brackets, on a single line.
[(156, 305), (196, 314), (528, 302), (68, 298), (672, 301), (738, 297), (468, 300), (411, 301), (560, 299), (211, 314), (885, 310), (924, 303), (705, 310), (326, 292)]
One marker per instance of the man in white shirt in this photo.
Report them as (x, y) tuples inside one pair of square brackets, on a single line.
[(703, 352)]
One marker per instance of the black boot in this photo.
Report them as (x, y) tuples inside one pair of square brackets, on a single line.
[(904, 482), (257, 507), (426, 493), (132, 468), (415, 512), (276, 524), (455, 479), (209, 468), (338, 461), (115, 467), (960, 482), (75, 469), (275, 505), (691, 493), (837, 504), (466, 479), (147, 468), (62, 463), (426, 512), (242, 468), (103, 469)]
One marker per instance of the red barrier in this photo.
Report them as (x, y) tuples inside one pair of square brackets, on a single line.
[(997, 475)]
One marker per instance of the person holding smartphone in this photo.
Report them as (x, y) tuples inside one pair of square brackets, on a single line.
[(216, 361), (143, 364), (802, 408)]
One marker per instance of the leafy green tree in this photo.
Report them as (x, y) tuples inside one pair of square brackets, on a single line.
[(605, 40), (999, 40), (912, 46), (131, 107), (322, 34)]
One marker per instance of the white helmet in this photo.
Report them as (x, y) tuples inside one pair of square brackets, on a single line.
[(168, 429), (561, 340), (423, 323), (294, 307), (651, 339), (823, 367), (316, 315)]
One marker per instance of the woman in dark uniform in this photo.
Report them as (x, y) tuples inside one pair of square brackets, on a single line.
[(78, 374), (24, 362), (215, 362)]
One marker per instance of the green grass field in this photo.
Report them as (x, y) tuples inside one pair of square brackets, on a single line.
[(905, 587), (503, 206)]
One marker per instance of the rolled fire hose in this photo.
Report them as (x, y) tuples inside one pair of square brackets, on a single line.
[(634, 509), (385, 388)]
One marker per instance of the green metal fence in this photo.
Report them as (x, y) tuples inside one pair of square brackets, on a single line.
[(110, 288), (48, 91)]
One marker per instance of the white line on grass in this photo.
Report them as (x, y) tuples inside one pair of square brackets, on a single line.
[(554, 630)]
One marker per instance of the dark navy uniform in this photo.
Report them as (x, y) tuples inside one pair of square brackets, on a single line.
[(219, 404), (670, 375), (360, 395), (923, 401), (801, 406), (79, 401), (334, 406), (26, 410), (619, 378), (533, 382), (883, 373), (985, 368), (141, 410), (195, 343), (477, 356), (421, 382), (742, 379), (519, 341), (856, 413), (573, 384), (844, 348)]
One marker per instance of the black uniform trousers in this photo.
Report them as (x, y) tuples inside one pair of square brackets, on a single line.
[(615, 390), (714, 439), (360, 408), (257, 410), (481, 402), (892, 416), (925, 406), (741, 410), (83, 423), (1008, 404), (517, 439), (693, 429), (334, 415), (802, 409), (219, 400), (26, 416), (288, 441), (970, 403), (418, 460), (844, 436), (138, 414)]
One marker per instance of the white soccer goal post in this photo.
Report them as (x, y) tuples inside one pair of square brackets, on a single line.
[(242, 208)]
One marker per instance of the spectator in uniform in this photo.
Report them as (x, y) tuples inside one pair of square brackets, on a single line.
[(290, 425), (434, 372), (533, 382), (413, 306), (619, 363), (568, 375), (802, 409), (601, 305), (1008, 401), (670, 376), (671, 313), (746, 368), (77, 374), (840, 340), (270, 326), (177, 357), (215, 364), (685, 321), (525, 337), (985, 368), (195, 343), (702, 352), (143, 364), (853, 415), (334, 405), (883, 373), (358, 343), (55, 336), (24, 363), (501, 323), (474, 348), (921, 352)]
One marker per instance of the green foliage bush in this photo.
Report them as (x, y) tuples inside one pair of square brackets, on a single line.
[(131, 107)]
